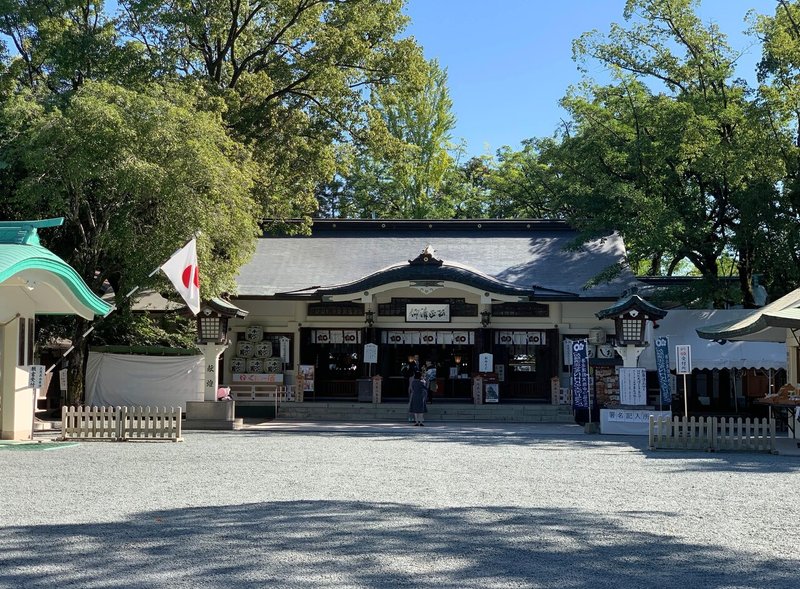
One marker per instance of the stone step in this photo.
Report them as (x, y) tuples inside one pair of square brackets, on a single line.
[(442, 412)]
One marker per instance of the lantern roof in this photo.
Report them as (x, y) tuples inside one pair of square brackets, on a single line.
[(632, 302), (225, 308)]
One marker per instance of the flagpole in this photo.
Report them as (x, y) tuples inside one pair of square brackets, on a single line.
[(113, 308)]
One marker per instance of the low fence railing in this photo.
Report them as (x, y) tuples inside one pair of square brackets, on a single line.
[(712, 433), (121, 423), (261, 392)]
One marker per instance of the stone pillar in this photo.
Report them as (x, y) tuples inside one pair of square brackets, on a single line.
[(630, 355), (210, 414), (211, 354)]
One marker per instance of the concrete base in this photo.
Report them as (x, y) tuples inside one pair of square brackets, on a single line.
[(20, 435), (591, 428), (211, 415), (41, 426)]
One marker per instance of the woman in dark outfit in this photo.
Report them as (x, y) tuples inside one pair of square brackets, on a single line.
[(418, 395)]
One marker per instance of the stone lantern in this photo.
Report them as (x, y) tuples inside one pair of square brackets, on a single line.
[(212, 335), (631, 314), (212, 339)]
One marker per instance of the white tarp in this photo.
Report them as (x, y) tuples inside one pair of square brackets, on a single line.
[(679, 325), (155, 381)]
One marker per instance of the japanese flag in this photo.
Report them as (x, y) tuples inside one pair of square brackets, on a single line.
[(181, 269)]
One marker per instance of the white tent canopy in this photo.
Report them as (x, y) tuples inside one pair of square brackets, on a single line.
[(772, 323), (680, 326)]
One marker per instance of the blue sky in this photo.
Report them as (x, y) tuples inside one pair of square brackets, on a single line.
[(510, 61)]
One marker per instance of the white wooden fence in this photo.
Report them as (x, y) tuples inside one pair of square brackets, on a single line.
[(712, 433), (121, 423)]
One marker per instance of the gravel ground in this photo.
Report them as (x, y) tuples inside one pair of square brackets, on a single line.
[(453, 506)]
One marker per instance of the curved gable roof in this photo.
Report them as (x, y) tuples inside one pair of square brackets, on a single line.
[(767, 324), (20, 253), (430, 272)]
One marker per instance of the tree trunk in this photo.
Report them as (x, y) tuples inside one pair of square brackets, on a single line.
[(745, 266), (77, 364)]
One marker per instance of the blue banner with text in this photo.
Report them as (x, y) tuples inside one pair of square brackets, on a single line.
[(662, 367), (580, 374)]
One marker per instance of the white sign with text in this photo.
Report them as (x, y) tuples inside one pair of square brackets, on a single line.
[(683, 359)]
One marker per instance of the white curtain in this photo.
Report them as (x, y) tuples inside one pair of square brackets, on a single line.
[(155, 381)]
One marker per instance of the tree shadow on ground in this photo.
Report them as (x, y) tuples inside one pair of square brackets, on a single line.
[(363, 544)]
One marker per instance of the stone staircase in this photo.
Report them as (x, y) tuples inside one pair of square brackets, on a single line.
[(398, 412)]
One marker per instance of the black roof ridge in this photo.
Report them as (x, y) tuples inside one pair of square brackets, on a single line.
[(337, 225)]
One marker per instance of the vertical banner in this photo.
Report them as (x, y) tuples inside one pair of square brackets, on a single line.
[(662, 368), (580, 374)]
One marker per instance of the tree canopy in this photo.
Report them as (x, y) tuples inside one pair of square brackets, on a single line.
[(685, 160), (173, 118), (169, 118)]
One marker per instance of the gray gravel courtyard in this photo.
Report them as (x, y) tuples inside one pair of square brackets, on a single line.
[(448, 505)]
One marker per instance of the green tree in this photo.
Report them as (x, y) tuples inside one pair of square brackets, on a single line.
[(779, 93), (522, 185), (401, 171), (296, 76), (672, 153), (60, 44), (134, 174), (184, 115)]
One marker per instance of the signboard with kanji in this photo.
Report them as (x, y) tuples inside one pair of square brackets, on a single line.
[(36, 376), (633, 386), (683, 359), (284, 348), (370, 354)]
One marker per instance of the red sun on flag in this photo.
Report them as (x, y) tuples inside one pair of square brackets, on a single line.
[(182, 271), (190, 274)]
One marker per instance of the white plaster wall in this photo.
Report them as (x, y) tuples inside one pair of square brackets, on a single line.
[(290, 316), (16, 420)]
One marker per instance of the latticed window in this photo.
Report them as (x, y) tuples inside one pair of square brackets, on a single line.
[(527, 309), (209, 328), (335, 309), (632, 330)]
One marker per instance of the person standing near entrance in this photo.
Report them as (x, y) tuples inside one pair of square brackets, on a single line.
[(430, 379), (417, 403)]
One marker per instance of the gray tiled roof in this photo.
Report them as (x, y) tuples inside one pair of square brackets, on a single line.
[(526, 254)]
